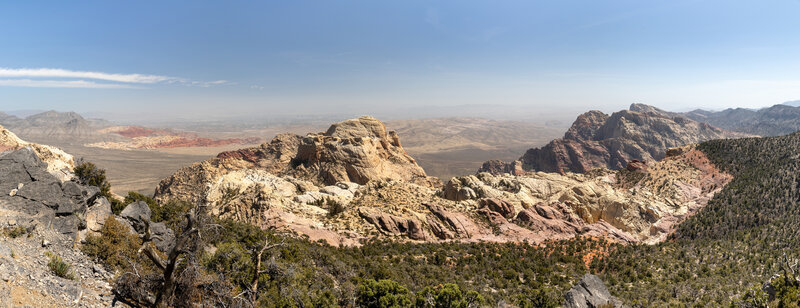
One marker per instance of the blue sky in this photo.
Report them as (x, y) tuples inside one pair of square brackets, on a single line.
[(208, 58)]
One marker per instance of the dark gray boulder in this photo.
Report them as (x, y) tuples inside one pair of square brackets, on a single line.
[(590, 292), (40, 198), (136, 214), (163, 237)]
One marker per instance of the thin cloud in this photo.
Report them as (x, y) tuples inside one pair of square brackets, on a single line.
[(62, 73), (34, 77), (31, 83)]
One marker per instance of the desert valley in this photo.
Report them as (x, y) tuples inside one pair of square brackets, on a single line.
[(399, 154)]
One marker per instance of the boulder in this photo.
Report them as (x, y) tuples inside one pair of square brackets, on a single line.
[(163, 237), (590, 292), (136, 214), (36, 194), (462, 225), (97, 214), (438, 229)]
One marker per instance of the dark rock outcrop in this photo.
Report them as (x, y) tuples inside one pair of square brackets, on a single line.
[(27, 188), (590, 292), (137, 215), (598, 140)]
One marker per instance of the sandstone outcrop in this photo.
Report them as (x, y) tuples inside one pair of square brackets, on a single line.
[(354, 182), (357, 151), (598, 140)]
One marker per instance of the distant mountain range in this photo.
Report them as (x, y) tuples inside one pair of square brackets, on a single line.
[(70, 128), (777, 120), (52, 125)]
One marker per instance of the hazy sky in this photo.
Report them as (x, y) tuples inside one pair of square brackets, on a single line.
[(281, 57)]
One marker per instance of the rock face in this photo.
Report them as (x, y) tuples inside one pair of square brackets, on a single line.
[(590, 292), (357, 150), (354, 182), (32, 195), (597, 140), (59, 163)]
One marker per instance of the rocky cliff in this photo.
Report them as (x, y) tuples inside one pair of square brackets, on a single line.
[(355, 182), (598, 140)]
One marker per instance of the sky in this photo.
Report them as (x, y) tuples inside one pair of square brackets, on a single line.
[(247, 58)]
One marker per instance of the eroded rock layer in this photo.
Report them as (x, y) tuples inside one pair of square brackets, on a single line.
[(355, 182)]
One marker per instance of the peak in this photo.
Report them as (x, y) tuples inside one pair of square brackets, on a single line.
[(592, 116), (52, 114), (365, 126), (637, 107)]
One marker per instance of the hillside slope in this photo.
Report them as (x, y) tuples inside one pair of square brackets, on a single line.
[(747, 232)]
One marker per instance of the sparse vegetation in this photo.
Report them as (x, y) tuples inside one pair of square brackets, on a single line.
[(115, 246), (89, 174), (58, 267), (15, 232), (170, 212), (334, 207)]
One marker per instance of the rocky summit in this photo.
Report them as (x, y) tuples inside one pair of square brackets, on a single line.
[(357, 151), (598, 140), (355, 182)]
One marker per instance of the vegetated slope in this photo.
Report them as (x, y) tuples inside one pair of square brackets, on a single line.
[(598, 140), (772, 121), (733, 244)]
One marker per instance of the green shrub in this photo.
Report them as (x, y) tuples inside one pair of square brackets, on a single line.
[(538, 298), (334, 207), (136, 197), (59, 268), (115, 246), (15, 232), (383, 293), (171, 213), (448, 296), (89, 174)]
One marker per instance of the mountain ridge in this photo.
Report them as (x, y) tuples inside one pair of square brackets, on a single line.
[(597, 140)]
